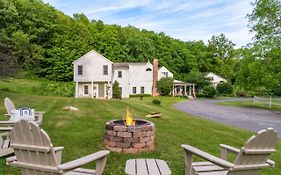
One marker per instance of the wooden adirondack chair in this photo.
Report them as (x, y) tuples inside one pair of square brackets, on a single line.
[(250, 159), (9, 105), (35, 154), (4, 144)]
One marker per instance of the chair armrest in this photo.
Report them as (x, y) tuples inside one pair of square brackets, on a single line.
[(39, 118), (58, 148), (271, 163), (10, 159), (84, 160), (207, 156), (7, 123), (225, 149)]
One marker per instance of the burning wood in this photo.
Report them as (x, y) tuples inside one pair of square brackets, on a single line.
[(128, 119)]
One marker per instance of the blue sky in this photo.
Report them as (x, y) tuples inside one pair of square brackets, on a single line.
[(182, 19)]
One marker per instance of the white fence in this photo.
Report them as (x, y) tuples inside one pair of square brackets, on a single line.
[(264, 100)]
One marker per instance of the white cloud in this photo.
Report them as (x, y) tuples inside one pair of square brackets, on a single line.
[(185, 20)]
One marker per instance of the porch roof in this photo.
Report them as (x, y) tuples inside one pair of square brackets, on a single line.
[(177, 82)]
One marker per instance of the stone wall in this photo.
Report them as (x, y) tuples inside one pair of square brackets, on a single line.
[(129, 139)]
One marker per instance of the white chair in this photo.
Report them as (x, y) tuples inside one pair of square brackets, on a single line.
[(35, 154), (250, 159)]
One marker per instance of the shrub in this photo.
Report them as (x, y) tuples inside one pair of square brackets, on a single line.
[(209, 91), (156, 102), (224, 88), (165, 86), (277, 92), (116, 91), (49, 88), (241, 93), (199, 95)]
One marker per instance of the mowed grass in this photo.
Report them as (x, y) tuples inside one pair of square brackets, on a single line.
[(81, 132), (250, 104)]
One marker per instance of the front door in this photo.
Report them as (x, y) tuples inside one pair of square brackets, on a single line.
[(101, 90)]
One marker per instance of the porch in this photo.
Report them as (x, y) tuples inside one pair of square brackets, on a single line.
[(183, 89), (98, 90)]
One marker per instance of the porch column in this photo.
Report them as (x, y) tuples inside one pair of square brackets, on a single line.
[(92, 95), (173, 91), (105, 90), (76, 90), (185, 93), (97, 95), (194, 95)]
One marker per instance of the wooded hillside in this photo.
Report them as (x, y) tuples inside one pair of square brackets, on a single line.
[(42, 40), (45, 40)]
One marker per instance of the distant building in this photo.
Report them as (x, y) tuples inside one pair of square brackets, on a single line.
[(94, 75), (215, 79)]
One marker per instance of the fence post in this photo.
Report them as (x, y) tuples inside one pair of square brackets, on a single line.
[(270, 101)]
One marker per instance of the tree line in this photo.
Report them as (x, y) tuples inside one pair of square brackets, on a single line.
[(43, 41)]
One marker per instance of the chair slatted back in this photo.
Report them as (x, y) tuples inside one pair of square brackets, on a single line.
[(33, 149), (255, 153), (9, 105)]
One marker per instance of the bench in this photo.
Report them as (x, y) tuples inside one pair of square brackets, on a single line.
[(147, 167)]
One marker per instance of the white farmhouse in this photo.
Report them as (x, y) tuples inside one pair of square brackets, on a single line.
[(94, 75), (215, 79)]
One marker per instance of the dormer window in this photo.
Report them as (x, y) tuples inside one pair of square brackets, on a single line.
[(148, 69), (105, 69), (80, 70)]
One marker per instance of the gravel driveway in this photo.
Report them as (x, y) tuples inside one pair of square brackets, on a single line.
[(253, 119)]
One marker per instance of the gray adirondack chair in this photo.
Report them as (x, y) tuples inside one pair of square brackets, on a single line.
[(4, 144), (35, 154), (9, 105), (6, 126), (250, 159)]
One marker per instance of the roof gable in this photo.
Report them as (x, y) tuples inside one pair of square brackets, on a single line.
[(88, 55)]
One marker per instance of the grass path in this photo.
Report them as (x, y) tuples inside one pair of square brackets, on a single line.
[(82, 132)]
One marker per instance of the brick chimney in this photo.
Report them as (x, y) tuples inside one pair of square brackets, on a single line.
[(155, 77)]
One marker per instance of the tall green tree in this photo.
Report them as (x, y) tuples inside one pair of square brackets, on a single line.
[(222, 54)]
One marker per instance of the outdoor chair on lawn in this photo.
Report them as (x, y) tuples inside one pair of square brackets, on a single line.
[(250, 159), (9, 105), (4, 144), (35, 154)]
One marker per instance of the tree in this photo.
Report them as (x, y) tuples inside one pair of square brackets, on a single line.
[(198, 78), (165, 85), (116, 91), (222, 53), (224, 88), (209, 91), (264, 21)]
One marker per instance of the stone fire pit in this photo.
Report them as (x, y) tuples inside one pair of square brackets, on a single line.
[(129, 139)]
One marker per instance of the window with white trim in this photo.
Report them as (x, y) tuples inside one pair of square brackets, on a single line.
[(119, 74), (134, 90), (80, 70), (86, 89), (142, 90)]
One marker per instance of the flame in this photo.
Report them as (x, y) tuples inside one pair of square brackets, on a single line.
[(128, 118)]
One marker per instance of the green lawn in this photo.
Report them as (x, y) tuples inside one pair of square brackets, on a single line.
[(82, 132), (250, 104)]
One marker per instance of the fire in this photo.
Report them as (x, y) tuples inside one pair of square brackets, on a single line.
[(128, 118)]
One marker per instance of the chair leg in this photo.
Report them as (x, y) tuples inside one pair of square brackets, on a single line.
[(188, 163), (100, 165)]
